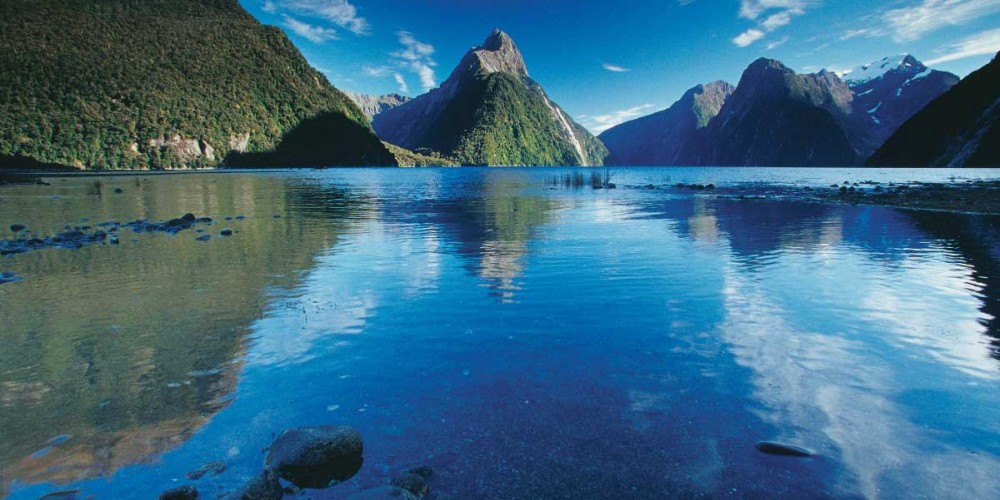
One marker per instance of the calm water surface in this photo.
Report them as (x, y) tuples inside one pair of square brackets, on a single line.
[(525, 341)]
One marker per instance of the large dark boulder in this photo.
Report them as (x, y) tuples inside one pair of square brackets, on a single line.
[(317, 457)]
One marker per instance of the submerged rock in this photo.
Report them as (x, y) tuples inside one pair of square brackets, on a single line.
[(61, 495), (212, 468), (76, 237), (263, 487), (782, 449), (17, 228), (413, 483), (317, 457), (118, 191), (204, 237), (186, 492), (383, 492)]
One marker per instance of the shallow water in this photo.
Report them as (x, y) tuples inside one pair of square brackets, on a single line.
[(523, 340)]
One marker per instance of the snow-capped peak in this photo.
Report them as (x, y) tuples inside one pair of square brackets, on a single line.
[(879, 68)]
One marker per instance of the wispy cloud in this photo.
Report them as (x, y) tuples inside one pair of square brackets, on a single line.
[(614, 68), (913, 22), (748, 37), (315, 34), (403, 87), (777, 43), (753, 9), (985, 43), (863, 32), (417, 57), (600, 123), (770, 15), (340, 12), (375, 71), (270, 7)]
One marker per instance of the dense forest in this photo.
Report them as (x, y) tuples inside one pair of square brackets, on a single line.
[(130, 84)]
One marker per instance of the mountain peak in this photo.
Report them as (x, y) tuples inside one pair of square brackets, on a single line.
[(498, 40), (904, 63), (499, 54), (764, 64)]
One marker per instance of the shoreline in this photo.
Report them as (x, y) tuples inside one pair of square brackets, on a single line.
[(973, 197)]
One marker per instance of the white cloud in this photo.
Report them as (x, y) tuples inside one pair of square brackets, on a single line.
[(777, 43), (375, 71), (779, 14), (340, 12), (780, 19), (752, 9), (600, 123), (913, 22), (985, 43), (614, 68), (413, 49), (416, 56), (748, 37), (865, 32), (403, 87), (315, 34)]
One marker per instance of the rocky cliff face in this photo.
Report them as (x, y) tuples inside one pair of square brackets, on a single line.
[(959, 128), (890, 91), (373, 106), (490, 112), (674, 136)]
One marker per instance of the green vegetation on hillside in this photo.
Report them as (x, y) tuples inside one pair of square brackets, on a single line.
[(497, 120), (91, 83), (407, 158)]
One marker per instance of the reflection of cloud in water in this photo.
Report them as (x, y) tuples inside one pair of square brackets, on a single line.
[(343, 291), (931, 309), (823, 391)]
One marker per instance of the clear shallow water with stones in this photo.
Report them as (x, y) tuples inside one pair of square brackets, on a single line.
[(524, 341)]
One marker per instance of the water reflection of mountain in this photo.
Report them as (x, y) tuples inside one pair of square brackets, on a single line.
[(492, 226), (139, 345), (832, 309), (757, 231)]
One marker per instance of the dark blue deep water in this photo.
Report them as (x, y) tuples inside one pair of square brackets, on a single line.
[(525, 340)]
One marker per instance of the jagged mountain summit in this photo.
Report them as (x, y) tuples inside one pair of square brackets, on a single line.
[(374, 105), (674, 136), (959, 128), (776, 117), (889, 91), (490, 112), (115, 84)]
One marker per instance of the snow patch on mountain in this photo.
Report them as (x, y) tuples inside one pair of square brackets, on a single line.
[(877, 69)]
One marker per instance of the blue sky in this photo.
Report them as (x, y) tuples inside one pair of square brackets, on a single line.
[(606, 61)]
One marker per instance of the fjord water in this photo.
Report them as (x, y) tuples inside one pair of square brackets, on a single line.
[(524, 340)]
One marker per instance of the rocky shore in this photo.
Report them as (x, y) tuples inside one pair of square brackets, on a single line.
[(316, 458), (974, 197), (105, 233)]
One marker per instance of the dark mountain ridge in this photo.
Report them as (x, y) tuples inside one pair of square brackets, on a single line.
[(959, 128)]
